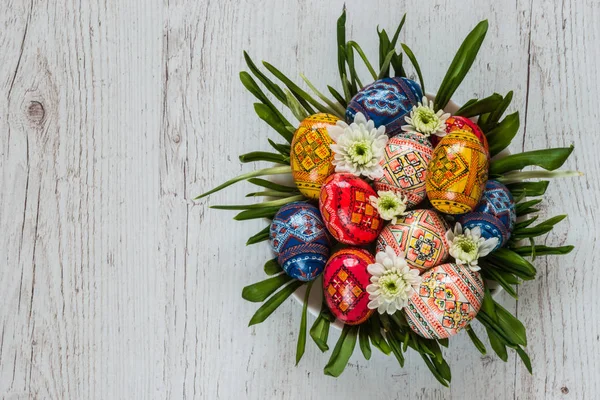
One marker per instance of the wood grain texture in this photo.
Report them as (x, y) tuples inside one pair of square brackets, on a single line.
[(113, 116)]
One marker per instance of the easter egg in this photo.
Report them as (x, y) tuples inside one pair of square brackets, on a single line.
[(448, 298), (310, 155), (420, 235), (299, 239), (457, 174), (346, 210), (404, 165), (386, 102), (490, 226), (455, 123), (345, 282), (499, 202)]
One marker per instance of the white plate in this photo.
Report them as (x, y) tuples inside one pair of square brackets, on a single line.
[(316, 294)]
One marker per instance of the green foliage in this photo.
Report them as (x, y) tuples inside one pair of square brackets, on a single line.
[(342, 351), (273, 302), (301, 345)]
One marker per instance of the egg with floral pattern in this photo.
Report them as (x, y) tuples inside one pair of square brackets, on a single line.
[(446, 301), (457, 173), (299, 239), (420, 235), (311, 158), (386, 101), (404, 163), (345, 282), (346, 210)]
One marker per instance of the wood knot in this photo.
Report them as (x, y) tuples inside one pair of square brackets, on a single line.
[(176, 138), (564, 390), (36, 112)]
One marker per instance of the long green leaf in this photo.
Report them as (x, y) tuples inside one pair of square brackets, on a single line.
[(364, 58), (363, 336), (275, 301), (497, 345), (530, 189), (269, 84), (342, 351), (500, 136), (251, 85), (260, 291), (475, 107), (267, 114), (335, 109), (415, 63), (506, 257), (338, 96), (476, 341), (525, 358), (549, 159), (385, 70), (253, 174), (528, 251), (461, 64), (273, 186), (265, 204), (520, 207), (341, 41), (301, 345), (320, 329), (494, 117), (263, 156), (259, 237), (512, 324), (268, 212)]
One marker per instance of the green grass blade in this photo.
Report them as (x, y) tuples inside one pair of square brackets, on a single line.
[(475, 107), (265, 113), (273, 302), (260, 291), (476, 341), (273, 186), (363, 340), (253, 174), (413, 60), (265, 204), (462, 62), (301, 345), (364, 58), (269, 84), (549, 159), (530, 189), (263, 156), (259, 237), (342, 351), (272, 267)]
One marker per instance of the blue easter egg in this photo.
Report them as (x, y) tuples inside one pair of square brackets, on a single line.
[(490, 226), (499, 202), (299, 239), (386, 102)]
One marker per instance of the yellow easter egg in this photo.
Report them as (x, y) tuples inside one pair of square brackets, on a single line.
[(457, 174), (311, 156)]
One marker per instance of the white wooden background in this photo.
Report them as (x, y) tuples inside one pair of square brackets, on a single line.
[(115, 284)]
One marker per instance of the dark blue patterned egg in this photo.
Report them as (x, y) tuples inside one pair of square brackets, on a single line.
[(299, 239), (499, 202), (490, 226), (386, 102)]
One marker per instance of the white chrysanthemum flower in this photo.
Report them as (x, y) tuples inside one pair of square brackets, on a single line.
[(390, 205), (468, 246), (423, 119), (392, 282), (358, 147)]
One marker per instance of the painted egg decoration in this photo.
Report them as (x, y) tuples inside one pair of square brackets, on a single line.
[(490, 226), (310, 155), (447, 300), (299, 239), (499, 202), (457, 122), (420, 235), (386, 102), (345, 282), (346, 210), (404, 165), (457, 174)]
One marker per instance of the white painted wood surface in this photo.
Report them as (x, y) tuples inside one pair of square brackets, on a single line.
[(114, 284)]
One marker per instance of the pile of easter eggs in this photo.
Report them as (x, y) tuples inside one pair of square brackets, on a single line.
[(442, 179)]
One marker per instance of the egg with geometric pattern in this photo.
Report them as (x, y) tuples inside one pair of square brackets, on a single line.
[(386, 102), (457, 173), (345, 282), (499, 202), (456, 122), (300, 240), (404, 163), (447, 300), (490, 226), (420, 235), (310, 155), (346, 209)]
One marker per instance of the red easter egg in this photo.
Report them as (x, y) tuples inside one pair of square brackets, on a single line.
[(345, 282), (449, 297), (457, 122), (346, 211)]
